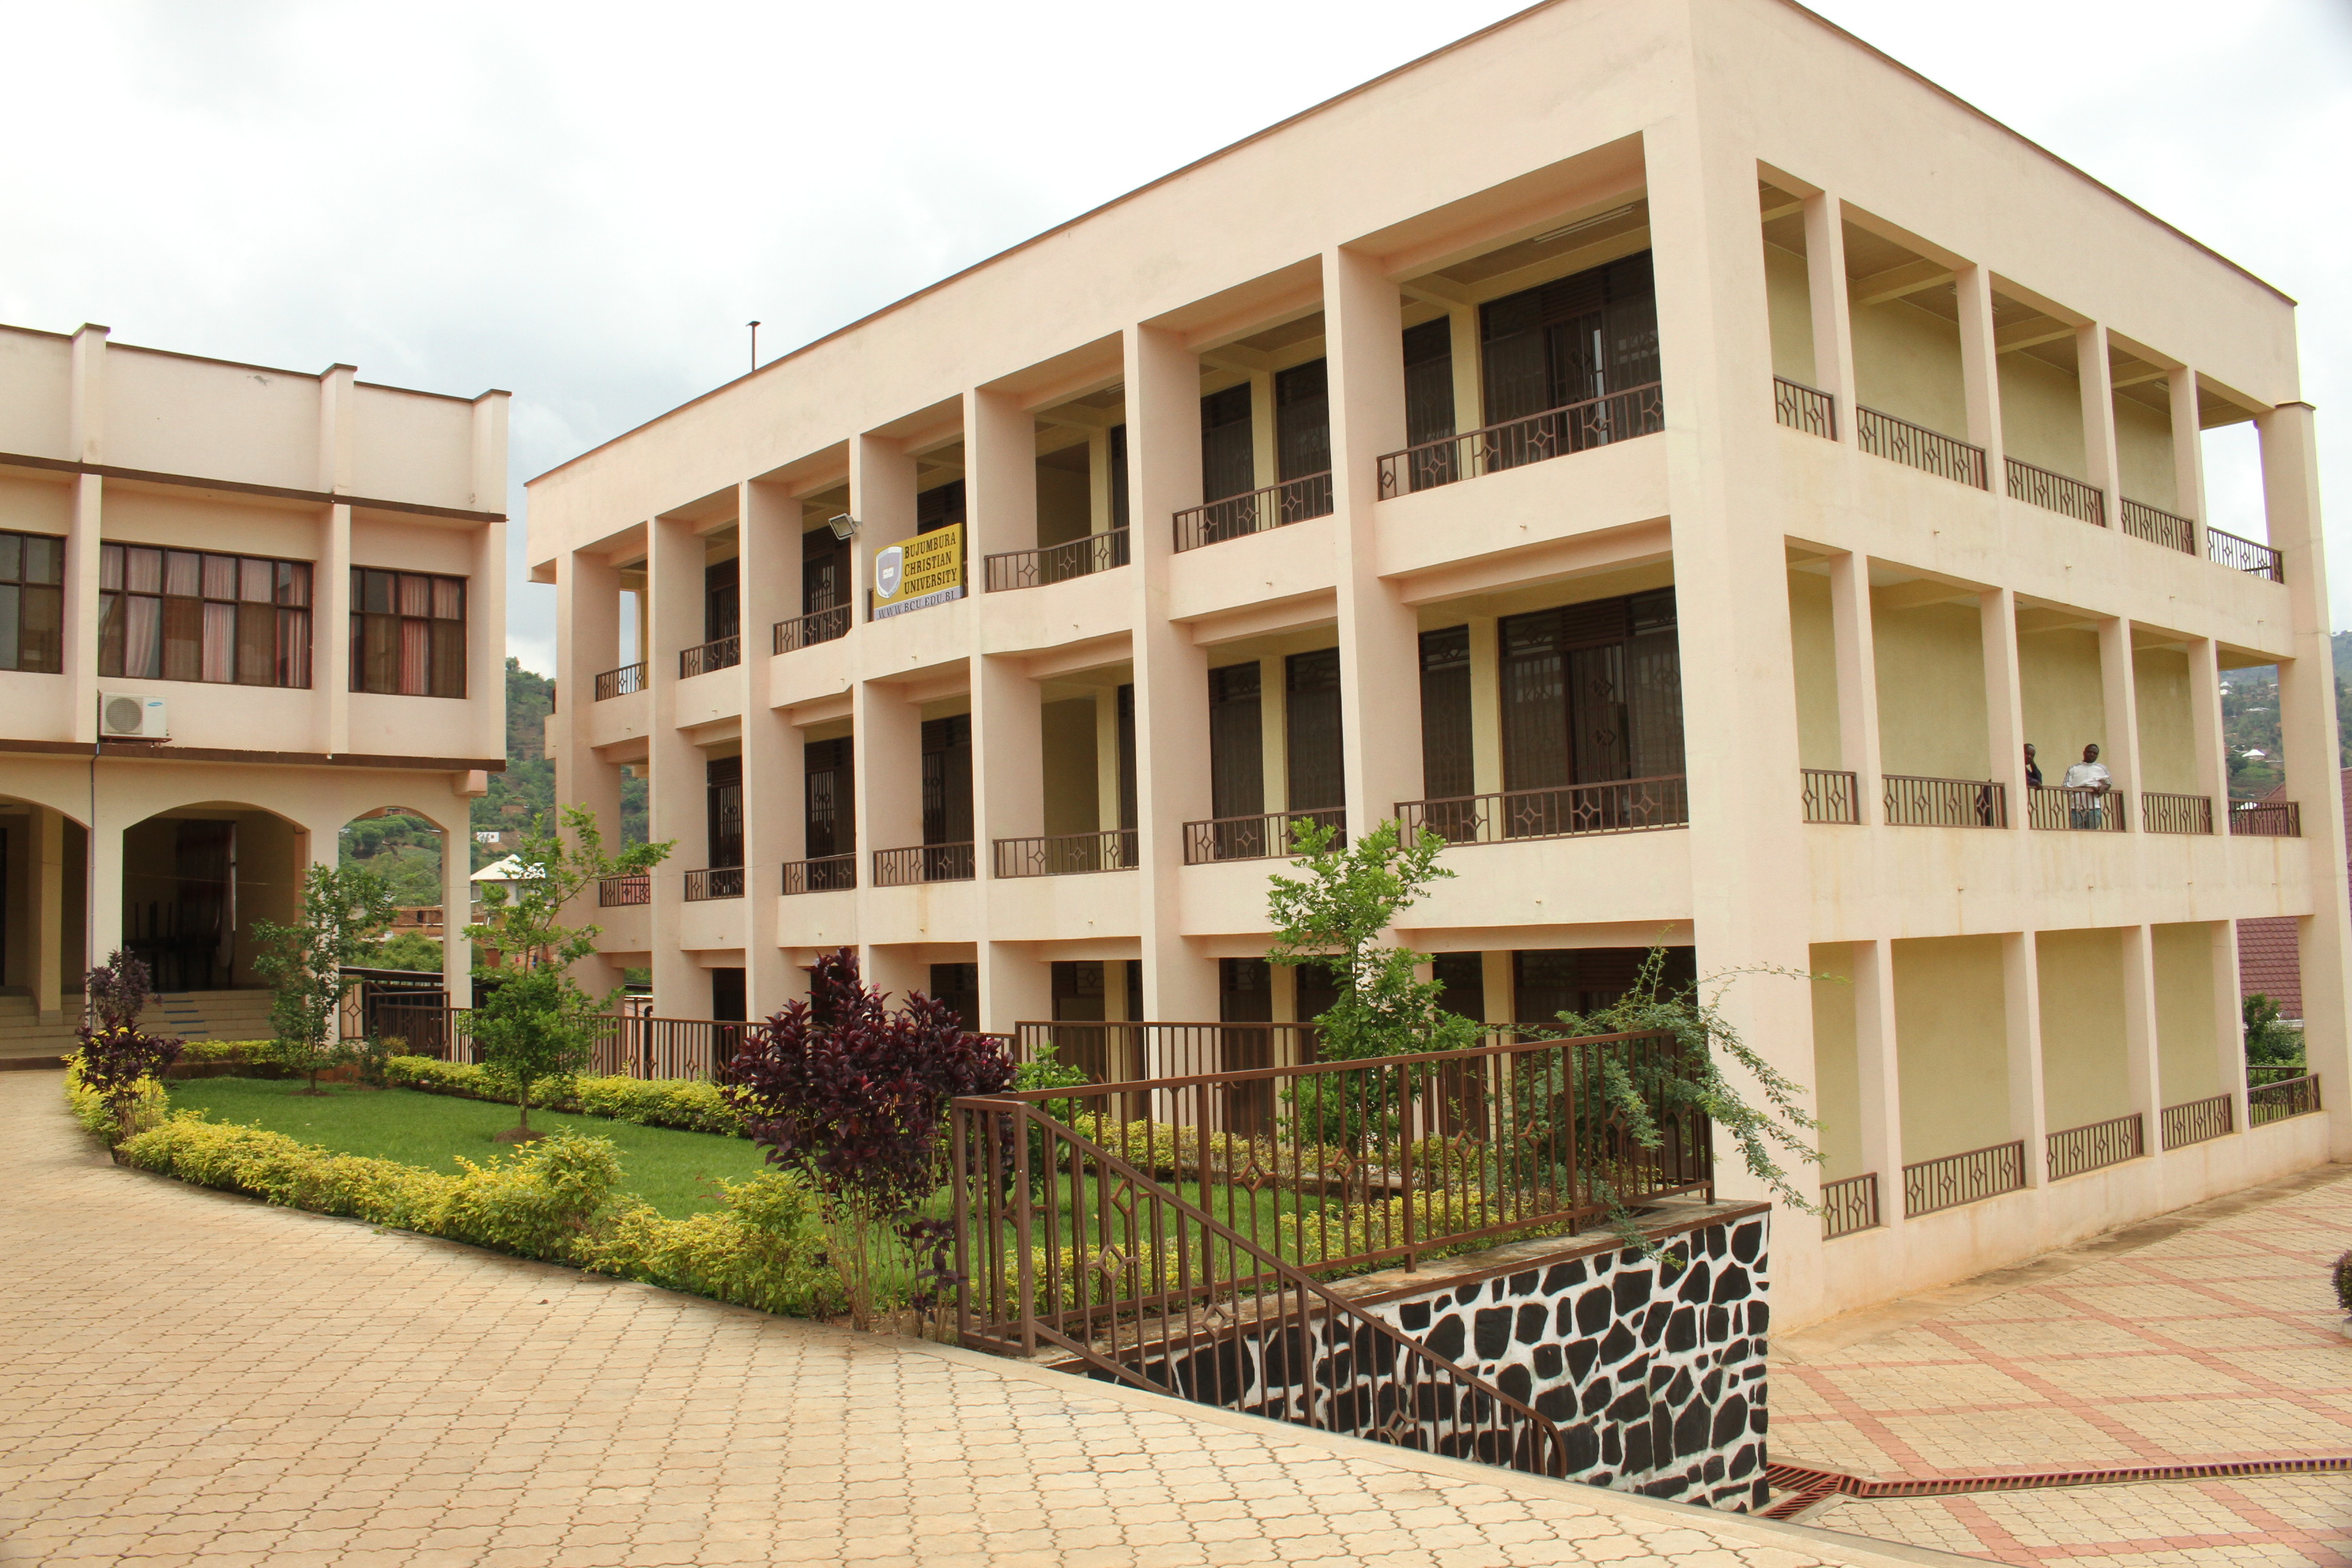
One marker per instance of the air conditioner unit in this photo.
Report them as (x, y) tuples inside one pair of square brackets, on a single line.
[(131, 716)]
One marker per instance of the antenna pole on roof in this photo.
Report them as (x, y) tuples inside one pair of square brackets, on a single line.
[(755, 344)]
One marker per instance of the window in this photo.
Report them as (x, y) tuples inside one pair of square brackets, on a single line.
[(1228, 459), (408, 634), (1236, 742), (721, 599), (723, 784), (940, 507), (947, 780), (1311, 723), (830, 827), (184, 614), (32, 602), (1302, 420), (1446, 770)]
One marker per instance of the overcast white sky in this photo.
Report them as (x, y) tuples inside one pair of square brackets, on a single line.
[(583, 202)]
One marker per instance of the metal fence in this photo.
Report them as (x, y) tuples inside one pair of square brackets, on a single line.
[(1067, 854), (621, 682), (2266, 818), (1258, 511), (628, 1044), (1965, 1178), (1832, 795), (2243, 555), (724, 653), (1115, 1052), (2162, 812), (1916, 802), (2056, 492), (825, 874), (1624, 805), (1056, 563), (816, 626), (2056, 808), (2087, 1147), (923, 863), (1261, 838), (2157, 526), (1802, 407), (1915, 445), (1849, 1205), (2277, 1101), (618, 892), (1554, 433), (715, 882), (2199, 1121)]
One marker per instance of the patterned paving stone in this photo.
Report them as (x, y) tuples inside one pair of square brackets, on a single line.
[(197, 1379)]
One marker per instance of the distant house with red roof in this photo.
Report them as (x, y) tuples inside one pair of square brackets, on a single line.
[(2267, 964)]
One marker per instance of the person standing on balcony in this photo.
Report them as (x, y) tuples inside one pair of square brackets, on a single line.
[(2032, 768), (2087, 784)]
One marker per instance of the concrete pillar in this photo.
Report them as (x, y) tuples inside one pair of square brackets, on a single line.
[(999, 444), (486, 656), (587, 644), (2205, 728), (1008, 749), (1495, 969), (2020, 981), (2188, 452), (103, 896), (1980, 369), (2308, 724), (1016, 985), (1469, 370), (1879, 1067), (1171, 674), (882, 499), (2143, 1057), (331, 635), (768, 533), (1274, 731), (488, 470), (2004, 705), (78, 691), (1857, 680), (455, 821), (1380, 660), (1486, 705), (45, 902), (2229, 1019), (1105, 758), (2098, 392), (886, 759), (1265, 464), (1098, 501), (676, 806), (1833, 320), (2120, 748)]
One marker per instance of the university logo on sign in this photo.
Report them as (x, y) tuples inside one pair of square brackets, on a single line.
[(916, 574)]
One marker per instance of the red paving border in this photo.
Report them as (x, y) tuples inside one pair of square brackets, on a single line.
[(1808, 1487)]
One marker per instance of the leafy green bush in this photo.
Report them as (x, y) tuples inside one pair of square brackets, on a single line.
[(227, 1050), (91, 1110), (765, 1249), (688, 1104), (2341, 1278)]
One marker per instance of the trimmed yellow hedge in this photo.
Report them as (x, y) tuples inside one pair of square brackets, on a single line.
[(685, 1103)]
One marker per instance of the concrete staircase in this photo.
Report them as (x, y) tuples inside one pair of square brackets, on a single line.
[(25, 1041)]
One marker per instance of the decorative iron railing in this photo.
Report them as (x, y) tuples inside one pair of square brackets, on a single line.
[(1258, 511), (923, 863), (2199, 1122), (2277, 1101), (1554, 433), (1623, 805), (1914, 801), (714, 882), (1067, 854), (1116, 1052), (725, 653), (621, 682), (1832, 795), (1965, 1178), (1849, 1205), (1263, 837), (615, 893), (2243, 555), (1059, 563), (1802, 407), (2162, 812), (816, 626), (825, 874), (2079, 1149), (2155, 525), (2059, 809), (628, 1044), (1915, 445), (2266, 818), (2056, 492)]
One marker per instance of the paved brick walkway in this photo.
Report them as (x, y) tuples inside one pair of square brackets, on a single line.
[(193, 1378), (2214, 1340)]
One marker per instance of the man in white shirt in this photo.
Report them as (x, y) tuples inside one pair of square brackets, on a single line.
[(2087, 784)]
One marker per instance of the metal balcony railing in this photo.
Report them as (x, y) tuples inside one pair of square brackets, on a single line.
[(2243, 555), (2056, 492), (618, 892), (2080, 1149), (825, 874), (1276, 506), (2277, 1101), (816, 626), (2058, 809), (1261, 837), (921, 863), (1058, 562), (714, 882), (2157, 526), (1832, 795), (2266, 818), (1849, 1205), (1067, 854), (1915, 802), (1554, 433), (1915, 445), (1622, 806), (2162, 812), (1965, 1178), (2199, 1122), (1802, 407), (621, 682), (725, 653)]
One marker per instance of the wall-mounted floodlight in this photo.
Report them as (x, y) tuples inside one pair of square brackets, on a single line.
[(845, 527)]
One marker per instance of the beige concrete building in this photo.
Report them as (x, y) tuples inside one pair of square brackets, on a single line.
[(1670, 449), (239, 607)]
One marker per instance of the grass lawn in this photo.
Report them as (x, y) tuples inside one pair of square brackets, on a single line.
[(667, 1168)]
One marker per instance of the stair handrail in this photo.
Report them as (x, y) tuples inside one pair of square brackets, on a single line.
[(1538, 1449)]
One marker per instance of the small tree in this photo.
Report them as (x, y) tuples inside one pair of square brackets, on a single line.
[(344, 911), (117, 1057), (2269, 1042), (538, 1027), (856, 1095)]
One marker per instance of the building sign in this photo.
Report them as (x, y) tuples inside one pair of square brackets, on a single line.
[(916, 574)]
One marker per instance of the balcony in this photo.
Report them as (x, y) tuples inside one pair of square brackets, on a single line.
[(1067, 854), (2060, 810), (1832, 795), (2056, 492), (1805, 408), (2243, 555), (1060, 562), (2270, 1102), (2158, 526), (1915, 445), (2078, 1150), (621, 892), (816, 626), (1966, 1178), (2160, 813), (825, 874), (922, 863), (1259, 511), (2266, 819), (1569, 811), (2199, 1122), (1849, 1205), (1263, 837), (622, 682), (1554, 433), (724, 653), (715, 882), (1916, 802)]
